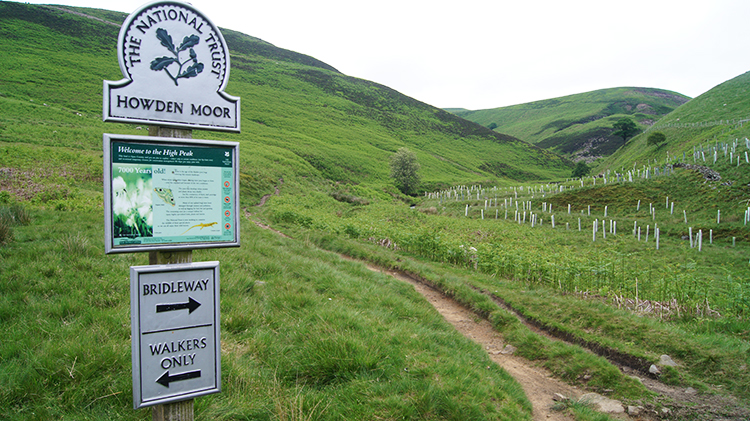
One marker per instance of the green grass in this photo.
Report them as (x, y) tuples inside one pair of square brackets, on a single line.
[(570, 363), (530, 268), (705, 348), (303, 331), (563, 258)]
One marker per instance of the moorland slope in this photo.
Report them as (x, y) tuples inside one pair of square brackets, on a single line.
[(579, 125), (301, 118), (718, 116)]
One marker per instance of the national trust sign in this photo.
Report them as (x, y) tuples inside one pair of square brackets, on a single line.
[(176, 65)]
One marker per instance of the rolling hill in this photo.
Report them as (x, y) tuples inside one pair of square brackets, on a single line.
[(579, 126), (301, 118), (716, 116)]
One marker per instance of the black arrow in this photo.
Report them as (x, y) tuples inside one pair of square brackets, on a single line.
[(190, 305), (165, 378)]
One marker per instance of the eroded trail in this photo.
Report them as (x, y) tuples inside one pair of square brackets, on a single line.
[(538, 385)]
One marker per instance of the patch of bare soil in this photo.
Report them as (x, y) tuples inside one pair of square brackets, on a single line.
[(23, 186), (276, 192)]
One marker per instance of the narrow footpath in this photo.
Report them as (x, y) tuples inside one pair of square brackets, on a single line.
[(540, 387)]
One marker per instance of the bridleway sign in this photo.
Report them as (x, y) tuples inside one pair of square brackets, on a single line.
[(175, 332)]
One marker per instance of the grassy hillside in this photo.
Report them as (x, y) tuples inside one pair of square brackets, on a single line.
[(301, 118), (579, 125), (303, 332), (718, 116)]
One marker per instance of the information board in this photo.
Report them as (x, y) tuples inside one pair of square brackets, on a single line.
[(170, 194), (175, 322)]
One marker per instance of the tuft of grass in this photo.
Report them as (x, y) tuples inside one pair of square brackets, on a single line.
[(10, 216), (75, 244), (6, 232), (15, 215)]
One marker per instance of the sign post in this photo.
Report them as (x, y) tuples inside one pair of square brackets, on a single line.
[(168, 194)]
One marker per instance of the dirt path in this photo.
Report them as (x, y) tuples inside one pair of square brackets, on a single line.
[(276, 192), (538, 385)]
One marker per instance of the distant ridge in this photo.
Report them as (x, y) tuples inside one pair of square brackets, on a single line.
[(579, 126), (721, 114)]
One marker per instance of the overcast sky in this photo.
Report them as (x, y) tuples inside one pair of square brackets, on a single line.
[(479, 54)]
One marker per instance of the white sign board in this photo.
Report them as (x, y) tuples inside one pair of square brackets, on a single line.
[(175, 65), (175, 323)]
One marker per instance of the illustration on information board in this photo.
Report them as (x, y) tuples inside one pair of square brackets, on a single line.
[(165, 195), (207, 225), (132, 207)]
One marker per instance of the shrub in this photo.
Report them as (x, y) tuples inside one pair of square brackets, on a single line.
[(656, 138), (580, 170), (405, 171)]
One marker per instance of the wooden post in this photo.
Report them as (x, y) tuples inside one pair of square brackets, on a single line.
[(170, 132), (170, 257), (175, 411), (182, 410)]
